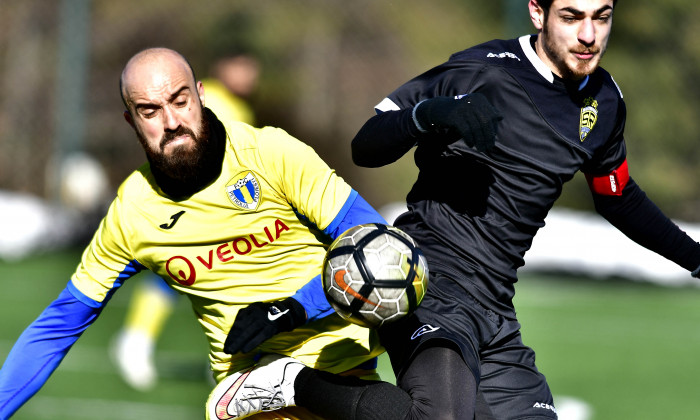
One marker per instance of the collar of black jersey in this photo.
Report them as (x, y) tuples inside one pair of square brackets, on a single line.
[(181, 189), (572, 86)]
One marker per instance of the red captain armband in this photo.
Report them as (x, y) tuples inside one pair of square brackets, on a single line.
[(611, 184)]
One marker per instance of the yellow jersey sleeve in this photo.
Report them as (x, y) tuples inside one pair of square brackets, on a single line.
[(308, 184), (108, 261)]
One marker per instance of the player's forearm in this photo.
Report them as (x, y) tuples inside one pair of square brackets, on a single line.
[(41, 348), (355, 211), (635, 215), (384, 138), (313, 299)]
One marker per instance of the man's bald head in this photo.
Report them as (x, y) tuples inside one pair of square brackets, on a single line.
[(164, 107), (151, 62)]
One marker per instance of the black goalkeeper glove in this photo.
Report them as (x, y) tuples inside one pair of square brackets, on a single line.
[(472, 117), (261, 320)]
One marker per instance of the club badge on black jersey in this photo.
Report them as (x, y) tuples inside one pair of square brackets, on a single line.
[(589, 116)]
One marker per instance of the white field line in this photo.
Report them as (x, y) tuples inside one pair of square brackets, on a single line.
[(79, 359), (47, 408), (95, 359)]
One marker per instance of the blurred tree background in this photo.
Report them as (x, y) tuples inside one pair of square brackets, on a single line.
[(325, 64)]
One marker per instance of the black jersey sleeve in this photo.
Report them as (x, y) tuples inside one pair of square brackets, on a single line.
[(635, 215), (390, 134), (384, 138)]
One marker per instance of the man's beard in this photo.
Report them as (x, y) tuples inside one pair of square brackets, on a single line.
[(187, 169), (568, 73)]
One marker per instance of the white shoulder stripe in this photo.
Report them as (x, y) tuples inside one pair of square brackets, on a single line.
[(618, 87), (534, 59), (386, 105)]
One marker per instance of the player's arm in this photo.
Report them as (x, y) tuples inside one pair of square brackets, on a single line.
[(42, 346), (387, 136), (252, 325), (623, 203), (355, 211), (440, 105)]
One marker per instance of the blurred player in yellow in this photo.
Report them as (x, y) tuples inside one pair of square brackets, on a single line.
[(233, 80), (236, 218)]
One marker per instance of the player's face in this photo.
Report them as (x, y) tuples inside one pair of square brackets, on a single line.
[(573, 36), (166, 113)]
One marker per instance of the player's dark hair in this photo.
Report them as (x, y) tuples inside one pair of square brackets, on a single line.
[(547, 4)]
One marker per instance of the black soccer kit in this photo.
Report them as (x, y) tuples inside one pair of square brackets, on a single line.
[(474, 214)]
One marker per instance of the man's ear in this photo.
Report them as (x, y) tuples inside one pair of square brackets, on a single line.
[(536, 14), (129, 119), (200, 92)]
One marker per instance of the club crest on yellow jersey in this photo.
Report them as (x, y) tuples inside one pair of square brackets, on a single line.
[(244, 191), (589, 116)]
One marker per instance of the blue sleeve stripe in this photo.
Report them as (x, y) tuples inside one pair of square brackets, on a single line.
[(129, 271), (355, 211), (161, 285), (80, 297), (313, 299), (341, 214)]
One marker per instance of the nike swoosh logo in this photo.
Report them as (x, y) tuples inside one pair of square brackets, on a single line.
[(222, 405), (274, 317), (174, 219), (340, 281)]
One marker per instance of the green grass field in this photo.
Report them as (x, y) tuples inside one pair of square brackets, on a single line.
[(627, 350)]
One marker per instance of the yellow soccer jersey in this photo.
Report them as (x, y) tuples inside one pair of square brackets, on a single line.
[(255, 234)]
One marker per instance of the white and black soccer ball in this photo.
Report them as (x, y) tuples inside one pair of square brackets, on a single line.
[(374, 274)]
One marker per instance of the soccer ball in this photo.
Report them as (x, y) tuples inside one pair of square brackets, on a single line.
[(374, 274)]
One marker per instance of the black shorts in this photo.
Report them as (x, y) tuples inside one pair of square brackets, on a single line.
[(490, 344)]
